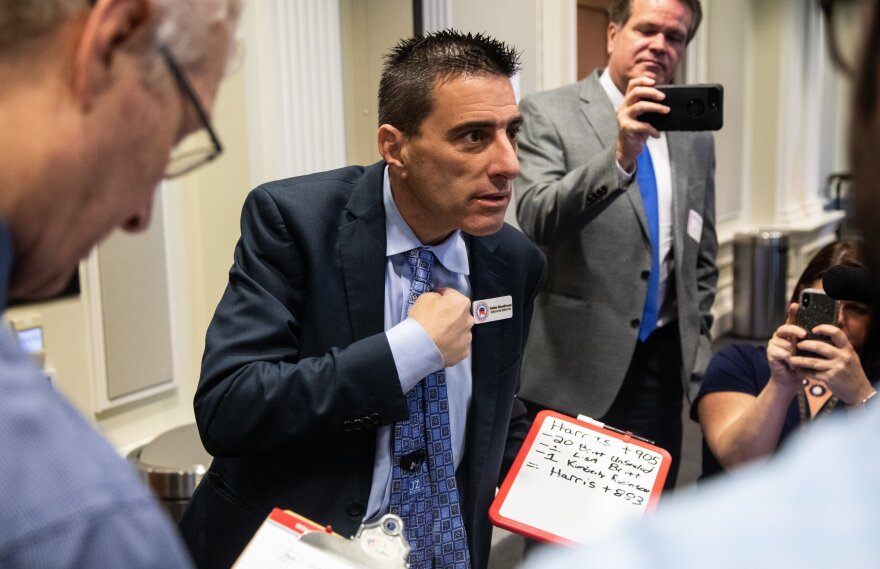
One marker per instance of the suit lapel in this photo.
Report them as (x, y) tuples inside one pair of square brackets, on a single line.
[(677, 143), (487, 278), (634, 194), (362, 249), (598, 111)]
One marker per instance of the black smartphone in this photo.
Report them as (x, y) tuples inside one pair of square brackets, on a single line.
[(815, 308), (692, 107)]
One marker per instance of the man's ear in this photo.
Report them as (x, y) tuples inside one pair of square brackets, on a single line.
[(110, 26), (391, 146), (609, 39)]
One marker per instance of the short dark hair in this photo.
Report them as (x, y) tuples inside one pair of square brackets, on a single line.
[(850, 253), (620, 11), (415, 65)]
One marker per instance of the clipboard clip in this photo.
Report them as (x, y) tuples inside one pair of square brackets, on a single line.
[(627, 435), (376, 545)]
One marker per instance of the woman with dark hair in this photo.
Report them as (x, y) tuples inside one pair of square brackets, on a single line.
[(753, 397)]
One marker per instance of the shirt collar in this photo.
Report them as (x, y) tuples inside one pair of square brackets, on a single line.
[(6, 255), (611, 89), (452, 252)]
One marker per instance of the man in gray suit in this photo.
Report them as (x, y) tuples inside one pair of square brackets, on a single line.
[(626, 217)]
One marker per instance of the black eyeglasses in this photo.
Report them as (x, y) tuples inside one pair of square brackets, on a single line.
[(190, 154)]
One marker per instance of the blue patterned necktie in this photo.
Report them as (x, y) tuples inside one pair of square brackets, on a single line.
[(424, 491), (648, 189)]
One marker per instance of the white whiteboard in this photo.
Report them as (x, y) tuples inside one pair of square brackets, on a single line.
[(572, 479)]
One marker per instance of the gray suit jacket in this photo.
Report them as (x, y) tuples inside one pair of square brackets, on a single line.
[(594, 233)]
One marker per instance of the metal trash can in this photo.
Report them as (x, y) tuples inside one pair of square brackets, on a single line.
[(172, 465), (760, 269)]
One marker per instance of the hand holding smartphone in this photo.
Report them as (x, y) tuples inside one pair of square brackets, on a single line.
[(815, 308)]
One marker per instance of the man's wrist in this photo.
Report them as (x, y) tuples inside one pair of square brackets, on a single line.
[(626, 165)]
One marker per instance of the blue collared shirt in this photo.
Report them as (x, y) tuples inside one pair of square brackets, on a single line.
[(415, 354), (67, 500)]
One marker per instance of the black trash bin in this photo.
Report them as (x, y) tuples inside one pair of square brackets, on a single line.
[(172, 465), (760, 269)]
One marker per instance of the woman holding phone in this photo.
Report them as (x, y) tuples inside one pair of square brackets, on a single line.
[(753, 397)]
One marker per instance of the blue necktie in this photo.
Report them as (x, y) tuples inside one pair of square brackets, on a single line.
[(424, 491), (648, 189)]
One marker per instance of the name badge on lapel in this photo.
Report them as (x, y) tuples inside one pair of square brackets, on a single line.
[(695, 226), (492, 309)]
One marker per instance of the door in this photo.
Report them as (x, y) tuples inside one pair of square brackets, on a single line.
[(592, 31)]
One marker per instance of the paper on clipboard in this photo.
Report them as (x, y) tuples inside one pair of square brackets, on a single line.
[(287, 540), (276, 545), (573, 479)]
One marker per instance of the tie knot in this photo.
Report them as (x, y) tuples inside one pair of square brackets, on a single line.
[(421, 260)]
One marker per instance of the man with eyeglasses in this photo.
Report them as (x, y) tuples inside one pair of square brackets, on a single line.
[(95, 97), (815, 504)]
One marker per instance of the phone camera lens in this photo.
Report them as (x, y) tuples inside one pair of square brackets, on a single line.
[(806, 301), (696, 107)]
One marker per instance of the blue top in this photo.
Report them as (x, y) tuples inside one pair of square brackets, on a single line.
[(66, 498), (741, 368)]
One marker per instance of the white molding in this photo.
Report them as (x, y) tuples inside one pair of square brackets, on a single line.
[(436, 15), (697, 63), (722, 310), (788, 102), (94, 311), (799, 112), (557, 43), (91, 286), (294, 88), (747, 150)]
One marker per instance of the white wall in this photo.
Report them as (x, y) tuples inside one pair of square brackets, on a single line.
[(511, 21), (369, 29)]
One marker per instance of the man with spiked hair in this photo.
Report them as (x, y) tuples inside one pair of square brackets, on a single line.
[(344, 375), (95, 97)]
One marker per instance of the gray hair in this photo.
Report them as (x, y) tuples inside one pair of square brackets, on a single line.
[(186, 26), (183, 24)]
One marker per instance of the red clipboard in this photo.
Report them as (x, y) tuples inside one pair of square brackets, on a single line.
[(572, 478), (296, 523)]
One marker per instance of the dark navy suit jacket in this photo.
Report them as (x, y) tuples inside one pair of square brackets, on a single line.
[(298, 374)]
